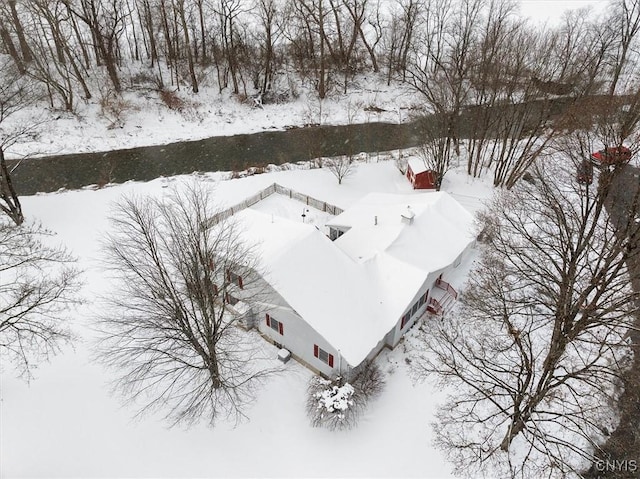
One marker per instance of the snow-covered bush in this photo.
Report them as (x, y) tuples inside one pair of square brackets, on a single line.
[(338, 403), (331, 403)]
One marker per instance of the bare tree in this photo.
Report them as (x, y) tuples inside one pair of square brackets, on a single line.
[(16, 93), (442, 60), (625, 23), (106, 20), (435, 151), (340, 166), (537, 345), (38, 285), (185, 280), (180, 13)]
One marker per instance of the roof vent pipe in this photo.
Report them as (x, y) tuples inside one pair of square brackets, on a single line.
[(375, 221)]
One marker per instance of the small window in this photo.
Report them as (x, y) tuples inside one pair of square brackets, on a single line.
[(405, 319), (275, 324), (232, 300), (422, 300), (414, 309), (322, 355), (234, 278), (426, 296)]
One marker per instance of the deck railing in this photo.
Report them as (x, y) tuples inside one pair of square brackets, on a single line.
[(442, 284), (433, 306)]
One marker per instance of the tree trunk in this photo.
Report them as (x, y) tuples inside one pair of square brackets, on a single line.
[(10, 202), (24, 46), (183, 20), (8, 42)]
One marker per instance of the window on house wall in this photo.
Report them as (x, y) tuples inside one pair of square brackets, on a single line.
[(414, 309), (335, 233), (422, 300), (234, 278), (322, 355), (405, 319), (426, 296), (231, 299), (275, 324)]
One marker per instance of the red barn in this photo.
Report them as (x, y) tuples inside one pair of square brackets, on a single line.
[(612, 155), (420, 176)]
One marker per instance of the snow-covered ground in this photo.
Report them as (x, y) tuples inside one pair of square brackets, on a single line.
[(67, 424), (142, 119)]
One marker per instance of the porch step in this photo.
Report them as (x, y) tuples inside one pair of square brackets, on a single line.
[(444, 302), (447, 303)]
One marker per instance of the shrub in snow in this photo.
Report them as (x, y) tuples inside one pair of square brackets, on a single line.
[(401, 163), (331, 403), (338, 403), (368, 380)]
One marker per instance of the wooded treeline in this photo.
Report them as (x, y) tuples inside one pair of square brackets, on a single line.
[(454, 52), (470, 60)]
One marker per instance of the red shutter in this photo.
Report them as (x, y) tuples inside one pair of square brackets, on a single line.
[(404, 321), (331, 360), (315, 350), (281, 328), (240, 281), (268, 321)]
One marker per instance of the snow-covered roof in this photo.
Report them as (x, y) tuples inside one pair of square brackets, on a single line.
[(417, 165), (439, 230), (352, 291)]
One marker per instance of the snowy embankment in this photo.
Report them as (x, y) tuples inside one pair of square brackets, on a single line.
[(140, 118), (67, 424)]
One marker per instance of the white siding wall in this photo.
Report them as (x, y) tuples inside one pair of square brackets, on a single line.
[(299, 338), (397, 332), (393, 338)]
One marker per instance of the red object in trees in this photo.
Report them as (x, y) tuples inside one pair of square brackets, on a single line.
[(612, 155), (585, 173)]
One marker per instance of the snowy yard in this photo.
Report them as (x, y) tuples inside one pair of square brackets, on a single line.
[(145, 120), (67, 424)]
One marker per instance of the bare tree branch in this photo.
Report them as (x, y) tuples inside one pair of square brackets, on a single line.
[(183, 287)]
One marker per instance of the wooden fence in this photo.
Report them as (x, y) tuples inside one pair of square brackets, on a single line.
[(281, 190), (308, 200)]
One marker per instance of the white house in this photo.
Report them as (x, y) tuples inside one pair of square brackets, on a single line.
[(338, 300)]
